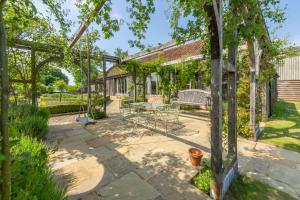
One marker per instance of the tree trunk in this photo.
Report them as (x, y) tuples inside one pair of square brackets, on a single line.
[(216, 94), (33, 79), (5, 165)]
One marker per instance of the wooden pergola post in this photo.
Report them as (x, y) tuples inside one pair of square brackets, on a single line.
[(214, 12), (104, 86), (255, 53), (33, 78), (222, 175)]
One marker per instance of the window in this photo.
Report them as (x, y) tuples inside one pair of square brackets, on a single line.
[(153, 84), (122, 85)]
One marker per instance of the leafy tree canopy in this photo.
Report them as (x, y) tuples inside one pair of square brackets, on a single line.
[(52, 74), (120, 53)]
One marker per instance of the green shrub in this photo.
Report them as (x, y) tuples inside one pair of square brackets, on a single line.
[(97, 115), (202, 179), (127, 100), (34, 126), (64, 108), (31, 175), (28, 120)]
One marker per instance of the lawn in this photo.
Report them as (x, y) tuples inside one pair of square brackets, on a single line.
[(248, 189), (283, 130)]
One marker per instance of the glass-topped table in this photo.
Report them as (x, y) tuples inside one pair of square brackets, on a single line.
[(147, 105)]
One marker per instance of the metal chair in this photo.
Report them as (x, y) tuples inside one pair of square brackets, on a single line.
[(167, 114)]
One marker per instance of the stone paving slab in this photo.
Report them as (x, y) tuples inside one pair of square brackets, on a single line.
[(160, 161), (128, 187), (98, 141)]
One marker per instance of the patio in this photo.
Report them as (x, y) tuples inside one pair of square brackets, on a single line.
[(104, 161)]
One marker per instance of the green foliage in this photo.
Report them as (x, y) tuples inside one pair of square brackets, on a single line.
[(31, 174), (186, 73), (29, 120), (72, 88), (97, 115), (20, 112), (202, 179), (34, 126), (283, 109), (50, 75), (242, 187), (60, 85), (140, 12), (120, 53), (65, 108), (246, 188), (103, 19), (127, 100)]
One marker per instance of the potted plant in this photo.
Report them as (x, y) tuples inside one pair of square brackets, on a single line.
[(195, 156)]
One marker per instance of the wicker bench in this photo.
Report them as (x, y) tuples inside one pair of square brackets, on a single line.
[(194, 97)]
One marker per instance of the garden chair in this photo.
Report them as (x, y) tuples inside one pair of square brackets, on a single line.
[(167, 114), (126, 111), (139, 117)]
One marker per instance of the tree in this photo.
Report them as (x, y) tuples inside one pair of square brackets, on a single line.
[(4, 137), (14, 20), (51, 74), (61, 86), (120, 53)]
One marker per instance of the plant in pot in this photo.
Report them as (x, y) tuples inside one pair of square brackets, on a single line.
[(195, 156)]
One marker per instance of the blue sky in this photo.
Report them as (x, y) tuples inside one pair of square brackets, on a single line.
[(159, 30)]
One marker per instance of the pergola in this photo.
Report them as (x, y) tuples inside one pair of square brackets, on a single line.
[(57, 55), (223, 169)]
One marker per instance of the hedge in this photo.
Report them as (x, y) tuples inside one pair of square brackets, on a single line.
[(65, 108)]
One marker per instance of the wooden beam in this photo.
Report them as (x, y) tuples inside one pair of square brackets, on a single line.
[(57, 49), (86, 23), (37, 46), (19, 81)]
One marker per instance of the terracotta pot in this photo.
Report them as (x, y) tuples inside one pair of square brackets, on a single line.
[(195, 156)]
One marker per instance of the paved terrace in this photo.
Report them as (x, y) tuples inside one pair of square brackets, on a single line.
[(106, 161)]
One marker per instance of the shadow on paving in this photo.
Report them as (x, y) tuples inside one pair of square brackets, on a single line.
[(94, 166)]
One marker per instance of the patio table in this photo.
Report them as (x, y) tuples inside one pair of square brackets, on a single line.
[(148, 106)]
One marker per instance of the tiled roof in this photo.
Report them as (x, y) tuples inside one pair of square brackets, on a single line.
[(114, 71), (173, 52), (167, 52)]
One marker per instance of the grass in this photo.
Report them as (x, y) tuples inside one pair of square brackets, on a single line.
[(242, 188), (246, 188), (283, 130)]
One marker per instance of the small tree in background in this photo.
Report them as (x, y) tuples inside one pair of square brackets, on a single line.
[(61, 86)]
